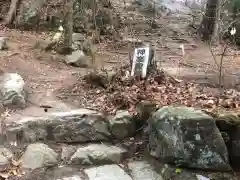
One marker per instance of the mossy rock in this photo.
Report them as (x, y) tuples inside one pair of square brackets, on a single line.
[(231, 118), (188, 138), (170, 172), (229, 125)]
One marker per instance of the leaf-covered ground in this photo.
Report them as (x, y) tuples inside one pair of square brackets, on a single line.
[(122, 92)]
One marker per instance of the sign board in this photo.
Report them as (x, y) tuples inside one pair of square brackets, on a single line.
[(140, 62)]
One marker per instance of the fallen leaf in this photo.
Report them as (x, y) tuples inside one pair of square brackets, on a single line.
[(178, 170), (4, 175)]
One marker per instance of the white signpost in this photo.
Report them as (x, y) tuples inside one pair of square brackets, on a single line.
[(140, 62)]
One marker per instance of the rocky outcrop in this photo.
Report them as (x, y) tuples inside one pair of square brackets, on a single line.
[(81, 125), (13, 92), (187, 137)]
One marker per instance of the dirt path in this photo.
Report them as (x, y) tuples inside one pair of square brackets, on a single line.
[(197, 64), (43, 72)]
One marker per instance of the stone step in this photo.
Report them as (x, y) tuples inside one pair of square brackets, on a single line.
[(107, 172), (75, 126)]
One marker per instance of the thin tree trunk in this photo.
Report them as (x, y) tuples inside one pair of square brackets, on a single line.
[(68, 24), (208, 23), (217, 23), (12, 11), (94, 10)]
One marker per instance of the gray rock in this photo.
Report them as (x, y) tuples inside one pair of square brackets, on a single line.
[(6, 152), (29, 13), (136, 42), (44, 45), (21, 133), (67, 152), (229, 126), (3, 43), (78, 41), (3, 162), (64, 173), (54, 173), (38, 155), (145, 109), (107, 172), (5, 156), (100, 78), (141, 170), (98, 154), (77, 58), (13, 92), (76, 45), (77, 37), (80, 125), (122, 125), (74, 177), (169, 172), (188, 137)]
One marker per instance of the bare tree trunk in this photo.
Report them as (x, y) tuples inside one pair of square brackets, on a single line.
[(209, 20), (94, 10), (68, 24), (216, 32), (12, 11)]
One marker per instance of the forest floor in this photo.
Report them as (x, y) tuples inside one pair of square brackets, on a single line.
[(46, 74), (51, 82)]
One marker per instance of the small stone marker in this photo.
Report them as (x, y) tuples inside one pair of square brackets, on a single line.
[(141, 60), (3, 43)]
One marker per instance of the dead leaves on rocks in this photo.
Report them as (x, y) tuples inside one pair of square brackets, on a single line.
[(109, 93), (13, 169)]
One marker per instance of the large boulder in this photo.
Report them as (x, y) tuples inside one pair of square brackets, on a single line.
[(38, 155), (80, 125), (187, 137), (13, 92), (229, 126)]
